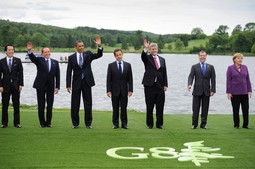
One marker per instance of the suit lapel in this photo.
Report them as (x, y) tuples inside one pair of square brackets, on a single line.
[(152, 60), (200, 68), (84, 58), (6, 65), (124, 68), (207, 69), (45, 64), (52, 64), (161, 62)]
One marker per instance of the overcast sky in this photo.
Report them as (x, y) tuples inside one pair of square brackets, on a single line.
[(156, 16)]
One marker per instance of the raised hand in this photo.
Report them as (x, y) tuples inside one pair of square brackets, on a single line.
[(146, 43), (29, 46), (98, 41)]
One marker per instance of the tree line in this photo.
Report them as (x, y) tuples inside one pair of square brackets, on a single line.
[(240, 40)]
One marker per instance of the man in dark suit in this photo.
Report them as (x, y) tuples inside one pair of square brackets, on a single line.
[(204, 87), (47, 83), (155, 83), (11, 83), (119, 86), (82, 80)]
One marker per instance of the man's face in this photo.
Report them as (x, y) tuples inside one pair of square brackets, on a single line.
[(153, 50), (118, 55), (46, 53), (79, 47), (202, 56), (10, 51)]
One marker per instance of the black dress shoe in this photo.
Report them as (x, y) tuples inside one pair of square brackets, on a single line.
[(17, 126), (89, 127), (237, 127), (246, 127), (150, 127), (193, 127), (159, 127), (115, 127), (124, 127), (203, 127), (75, 127), (42, 126), (4, 126), (49, 126)]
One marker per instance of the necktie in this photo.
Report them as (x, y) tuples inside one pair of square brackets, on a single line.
[(156, 62), (10, 65), (120, 68), (80, 61), (47, 63), (203, 68)]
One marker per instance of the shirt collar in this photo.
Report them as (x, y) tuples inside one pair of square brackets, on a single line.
[(9, 58), (119, 61), (201, 63)]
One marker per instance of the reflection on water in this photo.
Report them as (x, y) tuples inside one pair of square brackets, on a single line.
[(178, 99)]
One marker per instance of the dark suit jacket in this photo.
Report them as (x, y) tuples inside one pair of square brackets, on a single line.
[(119, 84), (15, 76), (202, 84), (44, 77), (73, 65), (151, 73)]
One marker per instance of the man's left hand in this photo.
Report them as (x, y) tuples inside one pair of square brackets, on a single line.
[(98, 41)]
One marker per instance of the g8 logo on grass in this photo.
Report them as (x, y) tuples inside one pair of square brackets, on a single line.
[(195, 152)]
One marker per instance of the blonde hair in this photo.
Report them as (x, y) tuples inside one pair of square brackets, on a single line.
[(153, 45), (237, 55)]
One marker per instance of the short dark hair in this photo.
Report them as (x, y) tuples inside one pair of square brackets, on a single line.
[(117, 50), (5, 48), (78, 41), (202, 51)]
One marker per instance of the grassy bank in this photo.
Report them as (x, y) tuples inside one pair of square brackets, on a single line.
[(110, 49), (64, 147)]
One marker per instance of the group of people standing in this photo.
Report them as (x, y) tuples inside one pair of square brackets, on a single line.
[(119, 85)]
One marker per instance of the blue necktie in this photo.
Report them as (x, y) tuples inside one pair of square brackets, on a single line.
[(120, 68), (47, 63), (10, 65), (203, 69)]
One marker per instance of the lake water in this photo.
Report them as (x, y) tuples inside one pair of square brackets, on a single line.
[(178, 99)]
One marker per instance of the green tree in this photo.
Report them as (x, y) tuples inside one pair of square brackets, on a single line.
[(40, 40), (237, 29), (178, 44), (253, 49), (239, 43), (185, 39), (20, 41), (222, 30), (161, 42), (170, 47), (195, 32), (9, 34), (201, 36), (54, 41), (250, 26), (124, 44), (138, 40), (218, 41)]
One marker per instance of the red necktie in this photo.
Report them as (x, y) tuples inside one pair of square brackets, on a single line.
[(156, 62)]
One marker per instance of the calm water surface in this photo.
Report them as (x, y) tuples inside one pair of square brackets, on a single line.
[(178, 99)]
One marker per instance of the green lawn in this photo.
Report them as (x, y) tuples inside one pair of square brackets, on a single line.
[(63, 147)]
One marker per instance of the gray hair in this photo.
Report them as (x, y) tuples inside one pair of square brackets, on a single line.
[(153, 45)]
